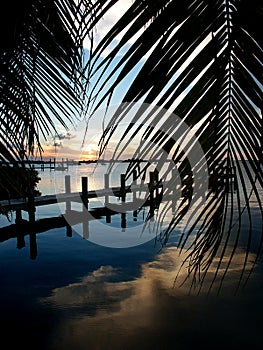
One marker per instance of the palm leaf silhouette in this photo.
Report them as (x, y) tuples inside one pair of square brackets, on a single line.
[(199, 60), (202, 60), (41, 73)]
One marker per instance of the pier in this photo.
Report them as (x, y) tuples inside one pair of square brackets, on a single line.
[(131, 198), (51, 164), (31, 227), (85, 194), (126, 200)]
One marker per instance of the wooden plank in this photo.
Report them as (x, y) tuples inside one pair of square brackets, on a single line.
[(22, 204)]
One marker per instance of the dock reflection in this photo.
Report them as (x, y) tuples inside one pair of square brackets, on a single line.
[(22, 228)]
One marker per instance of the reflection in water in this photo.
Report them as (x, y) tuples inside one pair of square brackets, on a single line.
[(127, 298), (150, 313)]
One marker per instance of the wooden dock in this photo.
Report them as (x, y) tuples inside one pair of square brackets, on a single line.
[(29, 204), (31, 227), (51, 164)]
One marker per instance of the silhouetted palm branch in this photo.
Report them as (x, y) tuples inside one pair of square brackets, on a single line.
[(202, 60), (41, 66)]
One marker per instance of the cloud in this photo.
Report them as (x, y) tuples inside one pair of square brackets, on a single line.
[(67, 136), (91, 290), (148, 312)]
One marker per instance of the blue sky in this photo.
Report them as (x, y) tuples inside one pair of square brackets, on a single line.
[(69, 143)]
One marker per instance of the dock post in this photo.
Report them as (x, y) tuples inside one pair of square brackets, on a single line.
[(31, 208), (123, 222), (68, 230), (123, 194), (84, 189), (68, 204), (106, 187), (67, 184), (67, 190), (18, 216), (31, 215), (108, 218)]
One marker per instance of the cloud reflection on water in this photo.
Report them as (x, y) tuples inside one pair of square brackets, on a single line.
[(102, 312)]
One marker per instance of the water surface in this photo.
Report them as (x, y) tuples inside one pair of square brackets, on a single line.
[(79, 295)]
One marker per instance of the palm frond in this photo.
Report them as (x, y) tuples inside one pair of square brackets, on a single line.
[(41, 71), (204, 64)]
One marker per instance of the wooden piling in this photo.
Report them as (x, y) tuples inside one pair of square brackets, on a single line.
[(31, 208), (123, 222), (68, 230), (67, 184), (84, 189), (67, 190), (108, 218), (106, 187), (18, 216), (123, 190)]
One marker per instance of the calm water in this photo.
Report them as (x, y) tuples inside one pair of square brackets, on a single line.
[(77, 294)]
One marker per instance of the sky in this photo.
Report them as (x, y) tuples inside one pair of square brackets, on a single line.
[(68, 144)]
